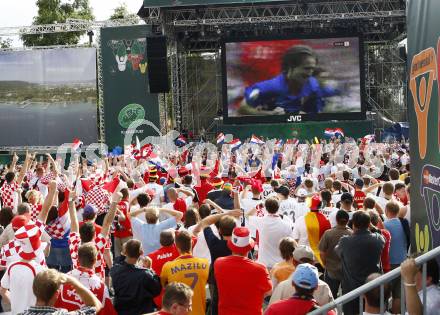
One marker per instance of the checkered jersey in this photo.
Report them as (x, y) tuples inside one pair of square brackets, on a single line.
[(48, 177), (100, 243), (7, 193), (61, 185), (58, 227), (35, 211)]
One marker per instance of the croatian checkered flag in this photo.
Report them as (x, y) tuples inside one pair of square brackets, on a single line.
[(99, 196)]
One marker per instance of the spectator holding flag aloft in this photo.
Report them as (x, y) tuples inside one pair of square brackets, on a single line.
[(309, 229)]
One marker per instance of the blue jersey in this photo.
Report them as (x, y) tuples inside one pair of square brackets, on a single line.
[(275, 93)]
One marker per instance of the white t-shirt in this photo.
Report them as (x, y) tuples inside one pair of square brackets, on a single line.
[(336, 197), (201, 249), (287, 208), (432, 299), (300, 231), (267, 190), (332, 217), (271, 230), (300, 210), (18, 279), (158, 193), (247, 205), (328, 210)]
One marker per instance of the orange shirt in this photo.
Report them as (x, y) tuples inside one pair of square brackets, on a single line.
[(191, 271), (282, 271)]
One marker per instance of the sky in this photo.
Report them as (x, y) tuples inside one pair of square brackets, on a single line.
[(49, 65), (21, 12)]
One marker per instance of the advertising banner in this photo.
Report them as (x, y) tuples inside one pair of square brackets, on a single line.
[(48, 97), (126, 96), (423, 106)]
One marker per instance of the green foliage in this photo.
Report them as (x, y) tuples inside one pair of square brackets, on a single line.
[(121, 12), (58, 11), (5, 43)]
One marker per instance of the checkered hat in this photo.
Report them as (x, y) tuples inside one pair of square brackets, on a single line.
[(29, 237)]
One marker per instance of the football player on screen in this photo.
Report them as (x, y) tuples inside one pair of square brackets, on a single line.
[(296, 90)]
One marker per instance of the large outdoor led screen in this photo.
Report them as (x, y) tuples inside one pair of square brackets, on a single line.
[(292, 80), (48, 97)]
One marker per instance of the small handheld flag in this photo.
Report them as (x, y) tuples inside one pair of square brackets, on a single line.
[(256, 140), (76, 145), (220, 138)]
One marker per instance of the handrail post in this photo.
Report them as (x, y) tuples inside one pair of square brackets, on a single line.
[(382, 299), (424, 273)]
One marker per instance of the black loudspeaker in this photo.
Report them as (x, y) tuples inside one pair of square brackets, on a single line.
[(157, 64)]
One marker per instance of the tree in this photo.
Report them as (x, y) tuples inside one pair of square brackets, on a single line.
[(58, 11), (5, 43), (121, 12)]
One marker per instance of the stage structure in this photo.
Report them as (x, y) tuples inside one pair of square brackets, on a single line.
[(195, 30)]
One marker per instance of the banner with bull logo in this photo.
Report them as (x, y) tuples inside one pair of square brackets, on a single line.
[(124, 71)]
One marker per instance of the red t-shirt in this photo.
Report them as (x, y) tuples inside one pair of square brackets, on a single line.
[(125, 226), (241, 284), (180, 205), (159, 258), (359, 197), (292, 306)]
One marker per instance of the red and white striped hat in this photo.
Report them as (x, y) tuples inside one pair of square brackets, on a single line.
[(29, 237), (241, 241)]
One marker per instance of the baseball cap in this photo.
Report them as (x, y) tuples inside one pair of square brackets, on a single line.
[(302, 192), (283, 190), (90, 210), (303, 252), (359, 182), (346, 197), (305, 276)]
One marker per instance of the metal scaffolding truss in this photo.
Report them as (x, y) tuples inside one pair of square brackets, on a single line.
[(71, 25), (386, 84), (281, 13)]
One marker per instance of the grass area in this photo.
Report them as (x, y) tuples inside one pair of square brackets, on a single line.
[(25, 92)]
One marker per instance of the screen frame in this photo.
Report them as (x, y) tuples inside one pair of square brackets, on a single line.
[(293, 118)]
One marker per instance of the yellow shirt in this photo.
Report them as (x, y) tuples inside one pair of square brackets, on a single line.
[(191, 271), (282, 271)]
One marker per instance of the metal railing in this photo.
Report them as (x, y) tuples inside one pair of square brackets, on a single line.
[(381, 281)]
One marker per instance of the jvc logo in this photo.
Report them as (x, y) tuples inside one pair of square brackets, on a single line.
[(296, 118)]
